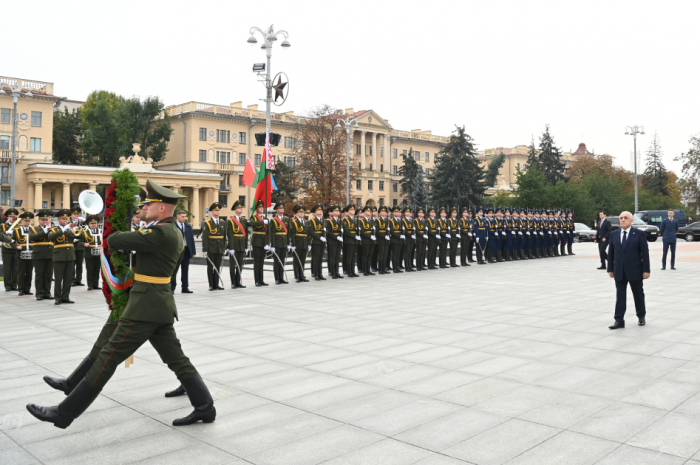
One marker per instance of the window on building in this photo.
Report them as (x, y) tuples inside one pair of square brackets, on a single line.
[(258, 159), (202, 155), (370, 150), (381, 185), (394, 169), (202, 133), (223, 200), (306, 182), (5, 115), (359, 166), (370, 166), (394, 153), (427, 156), (290, 142), (358, 202), (381, 151), (5, 197), (241, 158), (358, 184), (381, 202), (427, 172), (240, 180), (241, 198), (381, 168), (36, 119), (405, 153), (358, 150), (370, 185), (290, 161), (395, 186), (4, 174), (396, 202), (35, 144), (223, 157), (4, 142), (241, 137), (416, 155)]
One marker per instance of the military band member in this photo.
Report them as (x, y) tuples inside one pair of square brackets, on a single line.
[(10, 256), (92, 239), (518, 236), (410, 241), (258, 223), (20, 235), (214, 245), (383, 239), (334, 235), (42, 254), (350, 240), (433, 239), (455, 236), (299, 240), (236, 243), (318, 242), (63, 241), (278, 238), (421, 231), (464, 226), (77, 224), (482, 228), (149, 316)]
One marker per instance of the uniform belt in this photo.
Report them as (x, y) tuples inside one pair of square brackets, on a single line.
[(152, 279), (382, 230), (300, 234), (89, 245), (41, 243), (256, 232), (216, 237), (280, 234), (239, 235), (62, 245)]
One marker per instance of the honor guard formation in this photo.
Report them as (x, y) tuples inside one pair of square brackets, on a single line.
[(378, 240)]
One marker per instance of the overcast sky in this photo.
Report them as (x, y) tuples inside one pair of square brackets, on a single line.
[(502, 69)]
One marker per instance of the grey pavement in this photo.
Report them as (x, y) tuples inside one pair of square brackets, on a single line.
[(509, 363)]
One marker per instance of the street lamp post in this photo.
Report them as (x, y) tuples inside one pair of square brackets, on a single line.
[(16, 92), (348, 124), (633, 131)]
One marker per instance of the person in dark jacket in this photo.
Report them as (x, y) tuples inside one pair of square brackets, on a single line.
[(602, 237), (669, 229), (188, 252)]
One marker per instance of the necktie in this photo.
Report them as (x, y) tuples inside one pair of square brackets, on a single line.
[(624, 238)]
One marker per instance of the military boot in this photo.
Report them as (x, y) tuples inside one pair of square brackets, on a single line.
[(201, 400), (68, 384), (71, 408)]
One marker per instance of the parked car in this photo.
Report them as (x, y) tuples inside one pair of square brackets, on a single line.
[(652, 232), (583, 233), (656, 217), (690, 233)]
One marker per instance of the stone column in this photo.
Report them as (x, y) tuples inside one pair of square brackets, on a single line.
[(66, 194), (93, 186), (30, 195), (387, 152), (375, 167), (215, 196), (196, 207), (58, 197), (38, 194), (362, 149)]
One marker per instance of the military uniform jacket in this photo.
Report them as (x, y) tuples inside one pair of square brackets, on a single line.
[(483, 227), (396, 230), (349, 226), (78, 233), (421, 229), (408, 228), (367, 230), (333, 231), (432, 225), (257, 223), (7, 239), (63, 244), (465, 227), (442, 224), (40, 244), (91, 239), (159, 247), (298, 236), (382, 228), (453, 228), (213, 236), (236, 234), (278, 232), (315, 228), (21, 237)]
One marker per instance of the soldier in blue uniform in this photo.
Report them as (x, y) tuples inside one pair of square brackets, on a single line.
[(472, 237), (530, 234), (500, 234), (538, 234), (508, 228)]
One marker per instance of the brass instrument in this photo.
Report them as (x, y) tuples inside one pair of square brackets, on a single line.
[(14, 225)]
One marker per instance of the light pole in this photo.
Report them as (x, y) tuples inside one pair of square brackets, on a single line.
[(268, 38), (16, 92), (633, 131), (348, 124)]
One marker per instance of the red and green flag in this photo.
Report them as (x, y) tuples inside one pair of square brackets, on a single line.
[(264, 183)]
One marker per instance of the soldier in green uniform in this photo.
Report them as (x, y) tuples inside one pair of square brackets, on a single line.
[(77, 225), (214, 245), (421, 242), (92, 239), (236, 240), (63, 241), (10, 256), (149, 316), (20, 236), (279, 241), (259, 242), (317, 233), (433, 239), (334, 235), (455, 236), (444, 239), (375, 216), (383, 239), (42, 253), (397, 239), (464, 227), (299, 242), (368, 239), (350, 240), (410, 241)]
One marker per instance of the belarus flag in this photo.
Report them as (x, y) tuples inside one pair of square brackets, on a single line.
[(263, 182), (249, 173)]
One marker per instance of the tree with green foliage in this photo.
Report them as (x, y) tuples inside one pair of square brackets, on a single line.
[(457, 179), (532, 154), (691, 174), (419, 195), (67, 132), (285, 176), (655, 177), (144, 126), (494, 169), (549, 159), (410, 173)]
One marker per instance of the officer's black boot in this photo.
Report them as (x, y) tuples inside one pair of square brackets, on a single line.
[(263, 283), (200, 399), (71, 408), (369, 269), (68, 384), (507, 255), (239, 283), (337, 273), (180, 391), (500, 256), (569, 246)]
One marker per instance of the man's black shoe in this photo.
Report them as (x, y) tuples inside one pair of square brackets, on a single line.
[(187, 291), (642, 322), (219, 288), (57, 302), (601, 268), (617, 325), (90, 288), (39, 298), (258, 284), (663, 268), (67, 301), (673, 267), (21, 294), (211, 288), (79, 284), (303, 279)]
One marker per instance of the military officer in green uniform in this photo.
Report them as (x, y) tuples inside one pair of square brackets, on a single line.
[(258, 223), (299, 243), (92, 239), (397, 239), (375, 216), (237, 242), (318, 242), (214, 245), (368, 239), (421, 232), (350, 240), (410, 241), (20, 235), (455, 236), (433, 239), (63, 241), (42, 254), (77, 224), (149, 316), (444, 239), (334, 236), (10, 256), (465, 237), (278, 237), (383, 239)]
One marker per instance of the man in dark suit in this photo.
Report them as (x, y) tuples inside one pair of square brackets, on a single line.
[(602, 237), (628, 262), (189, 251), (669, 229)]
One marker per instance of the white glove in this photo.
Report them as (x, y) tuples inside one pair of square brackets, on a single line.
[(340, 238), (373, 238), (81, 218), (387, 238), (293, 248), (449, 236), (520, 233), (309, 248), (413, 236), (425, 236), (438, 228), (503, 233), (272, 249), (265, 221), (9, 233), (205, 255), (324, 229), (470, 234), (46, 230), (550, 233), (289, 248), (323, 239), (75, 240), (402, 236), (267, 247), (458, 236), (477, 239), (513, 232), (357, 238)]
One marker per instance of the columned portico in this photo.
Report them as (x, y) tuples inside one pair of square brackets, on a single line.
[(374, 152), (38, 194), (362, 149), (66, 194)]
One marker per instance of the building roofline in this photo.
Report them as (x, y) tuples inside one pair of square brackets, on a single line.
[(106, 169)]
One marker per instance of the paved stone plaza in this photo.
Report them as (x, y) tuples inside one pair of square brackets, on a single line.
[(509, 363)]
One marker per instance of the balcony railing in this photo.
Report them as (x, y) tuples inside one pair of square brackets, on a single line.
[(6, 156), (225, 188), (225, 168), (37, 87)]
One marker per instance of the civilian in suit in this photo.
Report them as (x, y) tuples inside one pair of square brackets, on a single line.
[(628, 262), (669, 229), (188, 252), (602, 237)]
